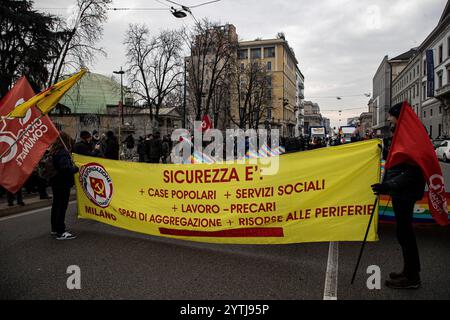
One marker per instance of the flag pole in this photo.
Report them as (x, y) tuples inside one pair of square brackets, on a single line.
[(365, 238)]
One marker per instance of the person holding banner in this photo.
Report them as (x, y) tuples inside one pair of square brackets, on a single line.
[(85, 146), (404, 182), (61, 183)]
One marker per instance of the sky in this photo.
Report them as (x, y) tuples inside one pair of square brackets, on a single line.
[(339, 43)]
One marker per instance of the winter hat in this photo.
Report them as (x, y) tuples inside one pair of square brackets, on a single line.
[(85, 134), (395, 110)]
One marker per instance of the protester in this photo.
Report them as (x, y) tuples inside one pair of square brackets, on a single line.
[(129, 142), (95, 137), (404, 182), (86, 147), (12, 196), (141, 149), (112, 146), (165, 151), (154, 148), (61, 183)]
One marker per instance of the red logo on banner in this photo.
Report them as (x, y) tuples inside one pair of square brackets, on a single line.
[(98, 186), (26, 139)]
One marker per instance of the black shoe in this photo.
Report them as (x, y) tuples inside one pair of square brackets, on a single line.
[(10, 204), (397, 275), (403, 283), (21, 203)]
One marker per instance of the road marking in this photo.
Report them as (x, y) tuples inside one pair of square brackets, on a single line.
[(30, 212), (331, 276)]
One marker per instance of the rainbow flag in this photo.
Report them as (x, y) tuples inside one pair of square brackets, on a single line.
[(421, 210)]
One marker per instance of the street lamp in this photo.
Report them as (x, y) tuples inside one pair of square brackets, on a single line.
[(121, 72), (178, 13)]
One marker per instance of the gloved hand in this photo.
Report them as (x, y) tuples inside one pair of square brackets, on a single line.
[(380, 188)]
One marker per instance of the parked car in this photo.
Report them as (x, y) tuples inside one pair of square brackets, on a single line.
[(443, 151), (437, 142)]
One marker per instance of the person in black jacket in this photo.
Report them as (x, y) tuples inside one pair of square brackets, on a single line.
[(405, 184), (112, 146), (85, 146), (141, 149), (61, 184), (154, 148)]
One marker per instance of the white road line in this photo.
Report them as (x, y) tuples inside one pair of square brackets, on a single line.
[(29, 212), (331, 277)]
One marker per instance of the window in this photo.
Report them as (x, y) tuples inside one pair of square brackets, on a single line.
[(424, 67), (448, 47), (414, 91), (431, 112), (269, 52), (269, 66), (255, 53), (243, 54), (242, 67), (440, 109), (439, 79), (440, 53), (424, 89), (424, 114)]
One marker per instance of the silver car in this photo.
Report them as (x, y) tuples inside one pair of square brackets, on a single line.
[(443, 151)]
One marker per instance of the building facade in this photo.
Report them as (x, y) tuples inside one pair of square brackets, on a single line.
[(281, 64), (428, 94), (300, 111), (435, 107), (313, 117)]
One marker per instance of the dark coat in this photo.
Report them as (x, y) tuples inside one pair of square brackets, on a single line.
[(86, 149), (112, 148), (154, 148), (65, 169), (405, 181)]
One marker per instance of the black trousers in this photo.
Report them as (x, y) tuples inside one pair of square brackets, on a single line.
[(61, 194), (12, 196), (403, 210)]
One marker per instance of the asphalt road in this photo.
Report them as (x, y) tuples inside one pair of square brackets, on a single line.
[(118, 264)]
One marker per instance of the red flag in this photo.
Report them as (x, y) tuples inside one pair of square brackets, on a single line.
[(18, 163), (206, 124), (411, 144)]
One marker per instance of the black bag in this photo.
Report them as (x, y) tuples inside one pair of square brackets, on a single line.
[(47, 168)]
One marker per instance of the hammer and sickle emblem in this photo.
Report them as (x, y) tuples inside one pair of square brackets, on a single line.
[(98, 186)]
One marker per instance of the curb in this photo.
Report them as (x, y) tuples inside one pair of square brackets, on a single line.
[(32, 206)]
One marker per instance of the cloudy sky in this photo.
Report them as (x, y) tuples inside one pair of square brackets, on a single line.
[(339, 43)]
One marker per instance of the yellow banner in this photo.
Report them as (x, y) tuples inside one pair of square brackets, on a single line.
[(318, 195)]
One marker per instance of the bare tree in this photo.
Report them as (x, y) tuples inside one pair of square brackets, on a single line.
[(213, 50), (154, 65), (78, 38), (253, 94)]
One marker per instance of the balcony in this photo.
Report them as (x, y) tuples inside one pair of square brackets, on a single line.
[(443, 92)]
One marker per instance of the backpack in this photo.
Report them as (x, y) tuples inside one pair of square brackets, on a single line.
[(47, 168)]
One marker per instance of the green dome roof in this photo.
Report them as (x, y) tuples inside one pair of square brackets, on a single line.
[(91, 94)]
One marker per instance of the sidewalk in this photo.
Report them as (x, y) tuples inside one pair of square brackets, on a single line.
[(32, 202)]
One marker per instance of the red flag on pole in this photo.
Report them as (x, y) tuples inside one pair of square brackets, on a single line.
[(17, 164), (206, 123), (411, 144)]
